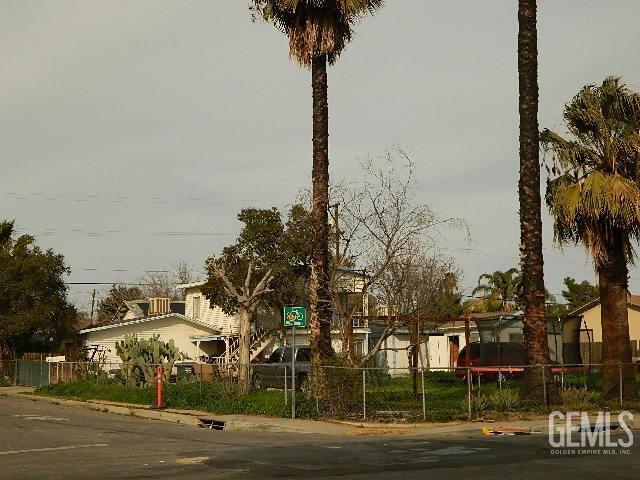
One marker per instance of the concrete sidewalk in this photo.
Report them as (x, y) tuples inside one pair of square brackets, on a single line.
[(257, 423)]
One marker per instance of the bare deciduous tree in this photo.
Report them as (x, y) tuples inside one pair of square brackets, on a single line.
[(391, 238), (247, 299)]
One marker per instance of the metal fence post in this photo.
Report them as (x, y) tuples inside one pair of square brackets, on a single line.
[(544, 386), (286, 393), (620, 381), (469, 389), (364, 394), (424, 401)]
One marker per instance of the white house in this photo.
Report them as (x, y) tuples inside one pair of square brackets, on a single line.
[(184, 332), (203, 332)]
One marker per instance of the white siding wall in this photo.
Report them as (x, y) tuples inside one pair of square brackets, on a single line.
[(437, 346), (214, 316), (167, 328)]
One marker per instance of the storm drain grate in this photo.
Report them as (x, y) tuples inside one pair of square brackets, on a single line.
[(211, 424)]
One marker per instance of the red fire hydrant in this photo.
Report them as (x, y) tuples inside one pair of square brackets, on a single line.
[(159, 372)]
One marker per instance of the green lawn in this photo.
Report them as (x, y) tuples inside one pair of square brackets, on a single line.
[(387, 398)]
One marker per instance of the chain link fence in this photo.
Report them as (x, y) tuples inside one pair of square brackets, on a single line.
[(347, 393), (8, 372)]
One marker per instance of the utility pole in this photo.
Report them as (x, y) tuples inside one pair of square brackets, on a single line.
[(93, 302)]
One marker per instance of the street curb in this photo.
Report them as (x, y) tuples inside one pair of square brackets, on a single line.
[(116, 409), (230, 424), (233, 423)]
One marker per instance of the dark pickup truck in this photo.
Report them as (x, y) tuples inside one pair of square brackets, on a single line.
[(271, 373)]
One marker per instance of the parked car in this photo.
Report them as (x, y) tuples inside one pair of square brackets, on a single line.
[(271, 373)]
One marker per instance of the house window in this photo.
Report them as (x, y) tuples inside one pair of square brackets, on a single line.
[(359, 347), (196, 307)]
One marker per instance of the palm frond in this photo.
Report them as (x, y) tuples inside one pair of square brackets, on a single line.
[(315, 27)]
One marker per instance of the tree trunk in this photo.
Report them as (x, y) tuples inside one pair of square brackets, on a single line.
[(320, 317), (616, 345), (531, 261), (244, 358)]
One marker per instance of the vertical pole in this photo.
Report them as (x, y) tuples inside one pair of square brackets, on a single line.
[(544, 386), (467, 337), (40, 379), (424, 401), (562, 376), (364, 393), (620, 378), (293, 371), (159, 388), (335, 217), (93, 302), (499, 379), (286, 393)]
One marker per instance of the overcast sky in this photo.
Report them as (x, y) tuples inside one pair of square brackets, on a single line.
[(131, 133)]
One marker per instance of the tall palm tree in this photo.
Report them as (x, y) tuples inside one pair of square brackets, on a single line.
[(594, 199), (318, 32), (531, 260), (500, 286)]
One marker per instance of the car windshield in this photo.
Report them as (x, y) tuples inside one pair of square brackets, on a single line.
[(276, 356)]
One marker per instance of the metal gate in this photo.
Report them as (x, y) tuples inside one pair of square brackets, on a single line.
[(33, 373)]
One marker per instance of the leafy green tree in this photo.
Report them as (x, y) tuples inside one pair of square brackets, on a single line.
[(109, 306), (579, 294), (318, 31), (594, 198), (33, 294), (268, 264), (500, 288)]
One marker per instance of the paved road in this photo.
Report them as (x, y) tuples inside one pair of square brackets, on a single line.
[(45, 441)]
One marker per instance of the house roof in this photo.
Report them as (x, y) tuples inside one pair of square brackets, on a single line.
[(191, 285), (633, 302), (150, 319)]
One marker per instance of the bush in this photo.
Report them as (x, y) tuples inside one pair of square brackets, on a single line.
[(480, 403), (577, 399), (505, 400)]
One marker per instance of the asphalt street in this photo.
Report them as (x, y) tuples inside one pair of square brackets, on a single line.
[(46, 441)]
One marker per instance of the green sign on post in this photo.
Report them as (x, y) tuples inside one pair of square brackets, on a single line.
[(295, 317)]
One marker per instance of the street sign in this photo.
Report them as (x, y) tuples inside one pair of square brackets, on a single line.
[(295, 317)]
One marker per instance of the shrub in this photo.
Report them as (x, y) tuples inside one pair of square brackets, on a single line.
[(480, 403), (505, 400), (577, 398)]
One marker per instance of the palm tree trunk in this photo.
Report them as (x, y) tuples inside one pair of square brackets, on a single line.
[(320, 317), (531, 260), (616, 345)]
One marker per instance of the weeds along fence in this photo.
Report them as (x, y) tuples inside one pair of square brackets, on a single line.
[(375, 394)]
